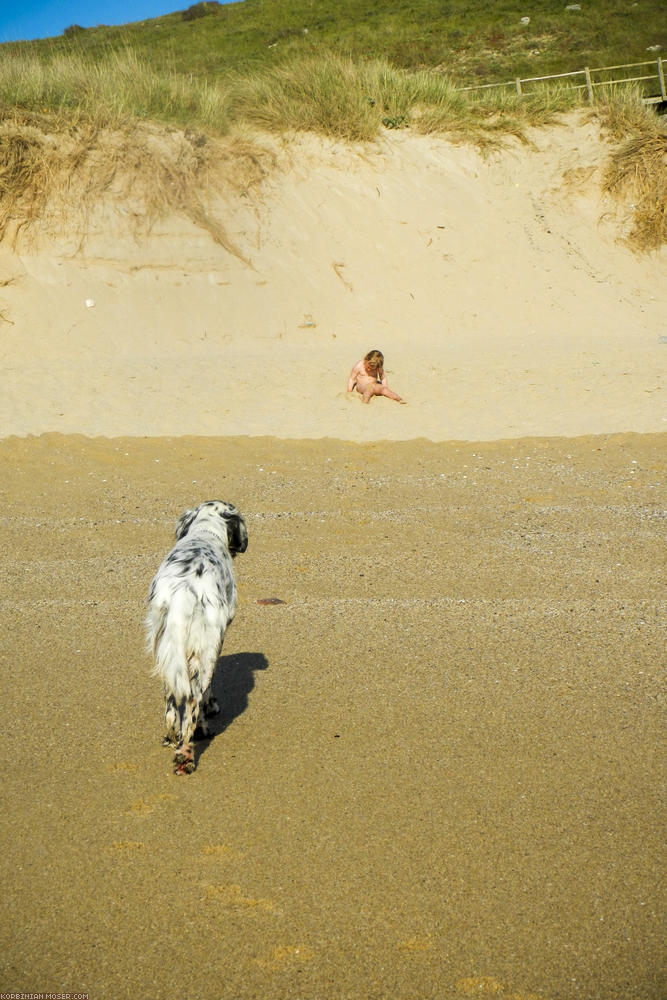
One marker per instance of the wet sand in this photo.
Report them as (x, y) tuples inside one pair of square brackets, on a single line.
[(437, 769)]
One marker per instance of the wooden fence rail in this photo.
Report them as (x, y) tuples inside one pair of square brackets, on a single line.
[(592, 80)]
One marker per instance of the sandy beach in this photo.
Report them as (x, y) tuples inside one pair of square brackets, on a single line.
[(437, 770)]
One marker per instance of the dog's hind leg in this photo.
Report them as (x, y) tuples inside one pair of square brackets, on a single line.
[(171, 717), (209, 705), (209, 708), (184, 760)]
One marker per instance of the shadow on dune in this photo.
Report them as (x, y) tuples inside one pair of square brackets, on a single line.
[(233, 680)]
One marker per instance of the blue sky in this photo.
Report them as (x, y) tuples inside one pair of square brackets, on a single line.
[(27, 19)]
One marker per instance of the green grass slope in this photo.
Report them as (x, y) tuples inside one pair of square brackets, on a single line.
[(471, 40)]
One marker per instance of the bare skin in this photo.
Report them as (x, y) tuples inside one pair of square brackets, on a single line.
[(367, 384)]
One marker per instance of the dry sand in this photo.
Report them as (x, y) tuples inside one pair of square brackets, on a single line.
[(437, 770), (504, 307)]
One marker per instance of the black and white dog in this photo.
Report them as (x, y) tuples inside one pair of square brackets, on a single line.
[(192, 601)]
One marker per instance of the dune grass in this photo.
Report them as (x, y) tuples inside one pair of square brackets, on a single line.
[(62, 167), (637, 168), (71, 115), (355, 100), (332, 95), (108, 92)]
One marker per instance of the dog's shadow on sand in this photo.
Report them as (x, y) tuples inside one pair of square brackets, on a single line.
[(233, 680)]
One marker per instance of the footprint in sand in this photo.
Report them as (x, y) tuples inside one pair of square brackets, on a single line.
[(139, 808), (479, 986), (219, 851), (487, 986), (124, 766), (142, 807), (233, 896), (284, 955), (416, 944), (123, 846)]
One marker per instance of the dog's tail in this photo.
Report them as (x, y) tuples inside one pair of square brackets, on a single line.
[(181, 637)]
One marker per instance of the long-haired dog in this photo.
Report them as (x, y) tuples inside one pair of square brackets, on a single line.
[(192, 601)]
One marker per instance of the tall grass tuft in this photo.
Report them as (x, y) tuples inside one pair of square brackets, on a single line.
[(326, 96), (335, 96), (637, 168), (119, 87), (23, 172), (55, 168)]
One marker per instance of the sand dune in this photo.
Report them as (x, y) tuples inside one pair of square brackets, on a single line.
[(501, 297)]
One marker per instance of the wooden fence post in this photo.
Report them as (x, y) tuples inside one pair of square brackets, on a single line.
[(589, 85)]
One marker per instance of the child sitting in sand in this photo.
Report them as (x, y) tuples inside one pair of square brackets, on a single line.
[(369, 378)]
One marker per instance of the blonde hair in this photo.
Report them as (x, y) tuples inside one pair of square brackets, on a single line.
[(374, 362)]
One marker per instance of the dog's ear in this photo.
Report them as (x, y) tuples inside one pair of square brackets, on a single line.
[(237, 533), (184, 522)]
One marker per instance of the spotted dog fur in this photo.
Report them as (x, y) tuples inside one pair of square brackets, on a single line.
[(192, 602)]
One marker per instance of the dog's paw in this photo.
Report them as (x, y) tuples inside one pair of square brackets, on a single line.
[(212, 708), (169, 740), (202, 732), (184, 761)]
